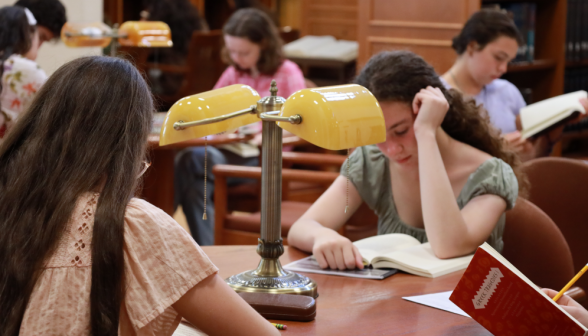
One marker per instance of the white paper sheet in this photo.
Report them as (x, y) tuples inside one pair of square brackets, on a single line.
[(439, 301)]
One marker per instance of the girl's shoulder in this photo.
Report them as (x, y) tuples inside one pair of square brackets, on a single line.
[(18, 63)]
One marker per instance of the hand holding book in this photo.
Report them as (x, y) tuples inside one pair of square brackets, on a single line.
[(570, 305)]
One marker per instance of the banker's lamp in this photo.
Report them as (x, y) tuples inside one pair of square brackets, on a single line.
[(336, 117), (149, 34)]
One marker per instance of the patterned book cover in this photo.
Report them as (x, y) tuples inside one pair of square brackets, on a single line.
[(505, 304)]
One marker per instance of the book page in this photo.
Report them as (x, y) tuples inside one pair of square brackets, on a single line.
[(421, 260), (375, 246), (537, 114), (185, 329), (439, 301)]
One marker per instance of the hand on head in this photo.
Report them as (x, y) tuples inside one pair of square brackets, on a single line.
[(570, 305), (336, 252), (430, 106)]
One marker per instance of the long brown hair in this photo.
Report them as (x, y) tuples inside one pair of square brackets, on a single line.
[(256, 26), (86, 127), (400, 75)]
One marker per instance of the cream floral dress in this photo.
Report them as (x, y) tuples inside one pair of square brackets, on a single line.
[(22, 78), (162, 263)]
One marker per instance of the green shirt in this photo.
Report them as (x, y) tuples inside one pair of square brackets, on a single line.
[(369, 171)]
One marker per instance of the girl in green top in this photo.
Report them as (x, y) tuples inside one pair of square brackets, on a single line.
[(443, 175)]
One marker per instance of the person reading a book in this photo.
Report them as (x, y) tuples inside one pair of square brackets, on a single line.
[(570, 305), (487, 43), (253, 50), (441, 176), (79, 254)]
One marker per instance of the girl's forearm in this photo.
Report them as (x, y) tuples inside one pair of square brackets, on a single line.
[(444, 223)]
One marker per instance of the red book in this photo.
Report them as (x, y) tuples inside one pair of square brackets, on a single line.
[(497, 295)]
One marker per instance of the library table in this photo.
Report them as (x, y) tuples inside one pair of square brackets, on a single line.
[(350, 306)]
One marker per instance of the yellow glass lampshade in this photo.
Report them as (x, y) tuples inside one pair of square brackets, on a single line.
[(145, 34), (336, 117), (95, 34), (205, 105)]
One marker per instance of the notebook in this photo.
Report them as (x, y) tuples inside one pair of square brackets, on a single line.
[(504, 301)]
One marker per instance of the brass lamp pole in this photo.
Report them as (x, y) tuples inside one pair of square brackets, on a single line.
[(269, 275)]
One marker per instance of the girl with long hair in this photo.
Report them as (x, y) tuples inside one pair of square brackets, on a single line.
[(79, 254), (20, 76), (442, 175)]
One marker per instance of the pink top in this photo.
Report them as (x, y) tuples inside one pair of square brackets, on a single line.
[(288, 77), (162, 262)]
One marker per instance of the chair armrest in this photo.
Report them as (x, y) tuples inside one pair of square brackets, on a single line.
[(287, 174), (313, 159), (169, 68), (577, 294)]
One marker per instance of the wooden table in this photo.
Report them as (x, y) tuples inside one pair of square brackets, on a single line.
[(324, 72), (349, 306)]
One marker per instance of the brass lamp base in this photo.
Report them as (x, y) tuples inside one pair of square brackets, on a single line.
[(270, 277)]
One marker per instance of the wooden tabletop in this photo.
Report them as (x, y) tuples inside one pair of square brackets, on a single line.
[(350, 306)]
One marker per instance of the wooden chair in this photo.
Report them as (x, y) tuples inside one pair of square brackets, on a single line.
[(203, 68), (537, 248), (243, 229), (558, 187)]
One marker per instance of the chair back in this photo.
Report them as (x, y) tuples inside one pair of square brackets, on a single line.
[(534, 245), (204, 62), (559, 188)]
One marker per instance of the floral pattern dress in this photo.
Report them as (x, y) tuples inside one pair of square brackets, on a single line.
[(22, 78)]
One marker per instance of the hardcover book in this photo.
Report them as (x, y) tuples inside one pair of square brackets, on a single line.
[(504, 301)]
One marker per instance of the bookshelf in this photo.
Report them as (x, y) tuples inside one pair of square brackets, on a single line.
[(426, 27)]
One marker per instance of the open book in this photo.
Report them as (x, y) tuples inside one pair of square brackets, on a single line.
[(402, 252), (540, 116), (504, 301)]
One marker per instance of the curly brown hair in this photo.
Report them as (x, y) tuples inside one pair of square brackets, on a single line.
[(400, 75), (256, 26)]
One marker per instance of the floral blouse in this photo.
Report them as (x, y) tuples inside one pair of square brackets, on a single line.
[(21, 79)]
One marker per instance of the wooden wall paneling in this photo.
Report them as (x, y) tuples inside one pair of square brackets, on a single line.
[(330, 17), (425, 27), (291, 13)]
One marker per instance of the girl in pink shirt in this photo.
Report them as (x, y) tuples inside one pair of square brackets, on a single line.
[(253, 48), (78, 254)]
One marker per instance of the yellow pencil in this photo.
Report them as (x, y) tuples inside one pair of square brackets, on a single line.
[(280, 326), (571, 283)]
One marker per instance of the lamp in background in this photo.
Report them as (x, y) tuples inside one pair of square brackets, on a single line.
[(149, 34), (336, 117)]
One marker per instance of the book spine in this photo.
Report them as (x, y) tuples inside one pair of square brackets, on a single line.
[(578, 28), (531, 17)]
